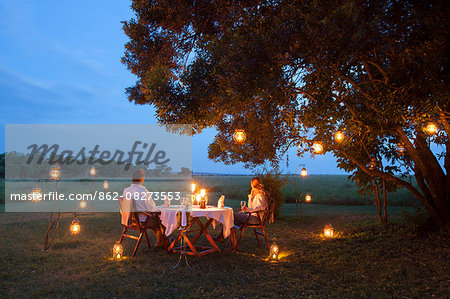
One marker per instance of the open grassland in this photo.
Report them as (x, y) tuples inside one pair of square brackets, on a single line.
[(364, 260)]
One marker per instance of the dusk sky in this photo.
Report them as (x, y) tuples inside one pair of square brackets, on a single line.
[(60, 64)]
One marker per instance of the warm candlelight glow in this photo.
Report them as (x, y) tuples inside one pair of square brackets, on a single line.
[(193, 187), (308, 197), (303, 173), (75, 227), (373, 164), (318, 147), (82, 204), (431, 128), (274, 251), (105, 184), (117, 251), (36, 194), (239, 136), (93, 171), (328, 231), (203, 192), (400, 149), (55, 173), (339, 136)]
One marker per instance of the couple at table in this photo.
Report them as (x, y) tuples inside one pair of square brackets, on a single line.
[(257, 200)]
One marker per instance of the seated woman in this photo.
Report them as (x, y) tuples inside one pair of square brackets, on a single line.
[(258, 200)]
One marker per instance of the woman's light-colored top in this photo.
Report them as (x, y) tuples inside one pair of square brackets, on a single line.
[(257, 200)]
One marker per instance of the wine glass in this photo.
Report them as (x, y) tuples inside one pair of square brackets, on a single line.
[(242, 206)]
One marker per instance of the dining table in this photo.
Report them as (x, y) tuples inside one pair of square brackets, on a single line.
[(186, 220)]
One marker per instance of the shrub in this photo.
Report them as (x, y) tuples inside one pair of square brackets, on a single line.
[(273, 182)]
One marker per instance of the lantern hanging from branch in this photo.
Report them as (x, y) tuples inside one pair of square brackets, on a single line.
[(328, 231), (55, 173), (75, 227), (117, 251), (303, 173), (373, 164), (431, 128), (92, 171), (401, 149), (105, 184), (239, 136), (308, 197), (36, 194), (274, 251), (339, 136), (318, 147)]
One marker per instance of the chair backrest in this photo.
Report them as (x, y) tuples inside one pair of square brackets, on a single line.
[(127, 209), (268, 214)]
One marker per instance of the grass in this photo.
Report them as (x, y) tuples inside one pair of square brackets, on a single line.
[(364, 260)]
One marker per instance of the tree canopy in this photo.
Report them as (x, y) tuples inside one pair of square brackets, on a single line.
[(291, 73)]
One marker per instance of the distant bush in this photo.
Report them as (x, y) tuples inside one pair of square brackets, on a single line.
[(273, 183)]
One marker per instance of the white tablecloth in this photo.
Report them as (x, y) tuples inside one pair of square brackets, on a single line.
[(222, 215)]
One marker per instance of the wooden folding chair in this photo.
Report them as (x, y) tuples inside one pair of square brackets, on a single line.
[(265, 215), (130, 221)]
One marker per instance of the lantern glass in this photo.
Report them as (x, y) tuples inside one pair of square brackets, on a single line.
[(82, 204), (117, 251), (339, 136), (431, 128), (400, 149), (239, 136), (274, 251), (36, 194), (93, 171), (303, 173), (328, 231), (193, 187), (75, 227), (373, 164), (308, 197), (318, 147), (105, 184), (55, 173)]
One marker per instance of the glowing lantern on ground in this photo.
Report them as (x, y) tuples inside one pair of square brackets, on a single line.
[(400, 149), (117, 251), (193, 187), (328, 231), (55, 173), (318, 147), (93, 171), (75, 227), (36, 194), (239, 136), (82, 204), (274, 251), (431, 128), (303, 173), (339, 136), (105, 184), (308, 197)]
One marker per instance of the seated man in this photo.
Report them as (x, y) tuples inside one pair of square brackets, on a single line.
[(257, 201), (144, 203)]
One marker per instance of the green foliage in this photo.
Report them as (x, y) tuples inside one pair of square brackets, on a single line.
[(273, 183), (295, 72)]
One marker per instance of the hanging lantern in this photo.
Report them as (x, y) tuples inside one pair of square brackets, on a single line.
[(401, 149), (55, 173), (274, 251), (318, 147), (82, 204), (431, 128), (117, 251), (328, 231), (339, 136), (239, 136), (93, 171), (193, 187), (75, 227), (373, 164), (303, 173), (36, 194), (308, 197), (105, 184)]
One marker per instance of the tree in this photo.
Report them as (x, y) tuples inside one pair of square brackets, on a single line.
[(292, 73)]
